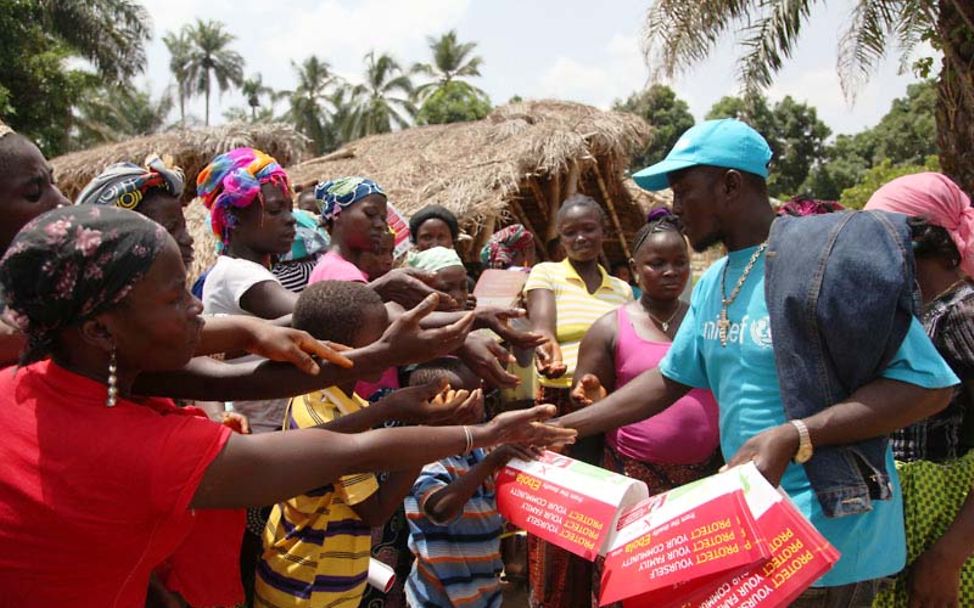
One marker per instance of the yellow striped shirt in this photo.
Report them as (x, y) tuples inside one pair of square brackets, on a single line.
[(316, 549), (576, 308)]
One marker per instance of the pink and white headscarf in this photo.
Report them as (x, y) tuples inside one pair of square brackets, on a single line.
[(940, 201)]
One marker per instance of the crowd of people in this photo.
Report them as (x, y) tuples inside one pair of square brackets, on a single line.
[(315, 406)]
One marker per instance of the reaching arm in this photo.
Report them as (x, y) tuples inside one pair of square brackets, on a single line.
[(263, 469), (403, 343), (446, 503), (376, 510), (543, 313), (268, 339), (646, 395), (876, 409), (595, 373), (268, 300)]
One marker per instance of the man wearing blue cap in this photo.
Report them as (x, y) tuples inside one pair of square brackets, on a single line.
[(849, 363)]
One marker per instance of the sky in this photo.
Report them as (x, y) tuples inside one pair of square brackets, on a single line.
[(567, 49)]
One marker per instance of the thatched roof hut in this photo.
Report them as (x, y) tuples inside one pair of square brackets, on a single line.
[(517, 165), (189, 149)]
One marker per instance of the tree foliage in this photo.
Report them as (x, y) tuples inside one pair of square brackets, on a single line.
[(383, 101), (210, 60), (38, 86), (310, 103), (906, 135), (117, 112), (793, 130), (453, 102), (667, 114), (856, 196), (452, 61)]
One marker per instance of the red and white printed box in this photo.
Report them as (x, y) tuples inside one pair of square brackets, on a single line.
[(692, 532), (566, 502), (398, 224), (800, 555), (797, 556)]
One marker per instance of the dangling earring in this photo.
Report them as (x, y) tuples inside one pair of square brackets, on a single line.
[(112, 380)]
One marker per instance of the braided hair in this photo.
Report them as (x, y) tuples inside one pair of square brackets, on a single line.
[(658, 220)]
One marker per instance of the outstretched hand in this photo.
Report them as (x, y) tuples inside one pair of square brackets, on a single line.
[(296, 347), (548, 359), (409, 287), (498, 320), (589, 390), (436, 404), (489, 360), (408, 343), (525, 427)]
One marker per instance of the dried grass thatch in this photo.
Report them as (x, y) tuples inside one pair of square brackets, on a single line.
[(189, 149), (517, 165)]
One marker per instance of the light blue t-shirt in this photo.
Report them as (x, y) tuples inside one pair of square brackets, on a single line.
[(744, 380)]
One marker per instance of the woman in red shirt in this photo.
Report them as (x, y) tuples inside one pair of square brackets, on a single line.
[(99, 486)]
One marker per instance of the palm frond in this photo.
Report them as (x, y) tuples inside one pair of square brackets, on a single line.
[(679, 33), (864, 43), (771, 39)]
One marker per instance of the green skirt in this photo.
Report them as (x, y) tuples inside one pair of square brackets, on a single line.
[(932, 496)]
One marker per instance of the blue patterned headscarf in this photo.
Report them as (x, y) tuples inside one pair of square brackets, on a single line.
[(336, 194)]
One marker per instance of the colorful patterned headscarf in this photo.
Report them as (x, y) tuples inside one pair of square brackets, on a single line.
[(937, 198), (434, 259), (500, 249), (233, 180), (309, 237), (71, 264), (126, 184), (336, 194), (801, 206)]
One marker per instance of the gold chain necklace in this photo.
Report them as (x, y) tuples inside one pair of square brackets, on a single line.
[(723, 323), (664, 324)]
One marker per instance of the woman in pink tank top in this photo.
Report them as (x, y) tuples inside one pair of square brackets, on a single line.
[(679, 445)]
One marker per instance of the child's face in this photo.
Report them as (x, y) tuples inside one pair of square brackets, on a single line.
[(378, 262), (453, 282)]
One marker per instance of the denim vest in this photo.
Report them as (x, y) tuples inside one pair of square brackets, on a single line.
[(840, 295)]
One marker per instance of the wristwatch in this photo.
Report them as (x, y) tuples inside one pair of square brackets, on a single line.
[(805, 449)]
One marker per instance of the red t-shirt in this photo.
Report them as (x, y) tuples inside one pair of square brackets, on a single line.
[(91, 498)]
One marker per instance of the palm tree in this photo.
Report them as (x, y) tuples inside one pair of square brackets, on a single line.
[(309, 104), (117, 112), (383, 101), (680, 33), (109, 33), (253, 89), (211, 59), (451, 61), (180, 51)]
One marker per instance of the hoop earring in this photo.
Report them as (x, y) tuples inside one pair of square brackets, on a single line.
[(112, 380)]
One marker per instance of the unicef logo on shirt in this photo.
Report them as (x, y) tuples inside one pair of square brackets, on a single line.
[(761, 333)]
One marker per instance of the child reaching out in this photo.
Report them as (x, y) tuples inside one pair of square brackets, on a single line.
[(454, 525), (316, 546)]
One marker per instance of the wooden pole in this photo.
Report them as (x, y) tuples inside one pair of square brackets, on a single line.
[(554, 203), (486, 231), (526, 222), (574, 172), (539, 196), (612, 211)]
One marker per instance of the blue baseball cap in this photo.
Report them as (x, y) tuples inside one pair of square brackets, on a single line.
[(726, 143)]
